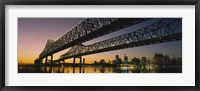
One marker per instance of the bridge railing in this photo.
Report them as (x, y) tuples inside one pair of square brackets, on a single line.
[(159, 29)]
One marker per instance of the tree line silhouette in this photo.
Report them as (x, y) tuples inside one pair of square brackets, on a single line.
[(159, 59)]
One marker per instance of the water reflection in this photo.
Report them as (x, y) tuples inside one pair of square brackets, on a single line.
[(99, 69)]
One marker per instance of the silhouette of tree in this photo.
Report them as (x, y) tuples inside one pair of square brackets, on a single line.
[(102, 62), (166, 60), (136, 61), (148, 62), (158, 58), (143, 61)]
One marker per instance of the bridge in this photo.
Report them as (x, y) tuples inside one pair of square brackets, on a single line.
[(88, 29), (164, 30)]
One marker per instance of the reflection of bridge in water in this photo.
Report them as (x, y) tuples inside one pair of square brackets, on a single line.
[(164, 30)]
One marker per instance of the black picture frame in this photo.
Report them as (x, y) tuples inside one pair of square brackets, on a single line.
[(98, 2)]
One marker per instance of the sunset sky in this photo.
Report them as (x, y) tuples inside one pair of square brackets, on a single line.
[(33, 34)]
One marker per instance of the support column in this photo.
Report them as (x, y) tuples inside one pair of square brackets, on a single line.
[(74, 62), (83, 65), (74, 65), (80, 64), (46, 60), (51, 59), (84, 61), (46, 63), (63, 66), (80, 61), (51, 63)]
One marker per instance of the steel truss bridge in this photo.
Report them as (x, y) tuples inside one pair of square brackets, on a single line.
[(164, 30)]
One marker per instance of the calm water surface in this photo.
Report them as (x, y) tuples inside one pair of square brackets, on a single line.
[(99, 69)]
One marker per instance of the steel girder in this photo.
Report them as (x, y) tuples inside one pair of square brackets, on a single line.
[(166, 29)]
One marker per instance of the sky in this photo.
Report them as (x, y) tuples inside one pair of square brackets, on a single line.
[(33, 34)]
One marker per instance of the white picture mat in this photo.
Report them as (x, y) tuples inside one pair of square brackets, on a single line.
[(186, 78)]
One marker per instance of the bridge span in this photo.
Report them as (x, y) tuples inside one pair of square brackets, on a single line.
[(164, 30), (89, 29)]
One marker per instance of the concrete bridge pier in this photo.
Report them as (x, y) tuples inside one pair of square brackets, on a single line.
[(74, 63), (80, 61), (51, 59), (80, 65), (46, 58), (84, 61), (83, 65), (46, 62)]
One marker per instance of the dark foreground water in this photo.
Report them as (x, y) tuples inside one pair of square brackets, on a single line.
[(100, 69)]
